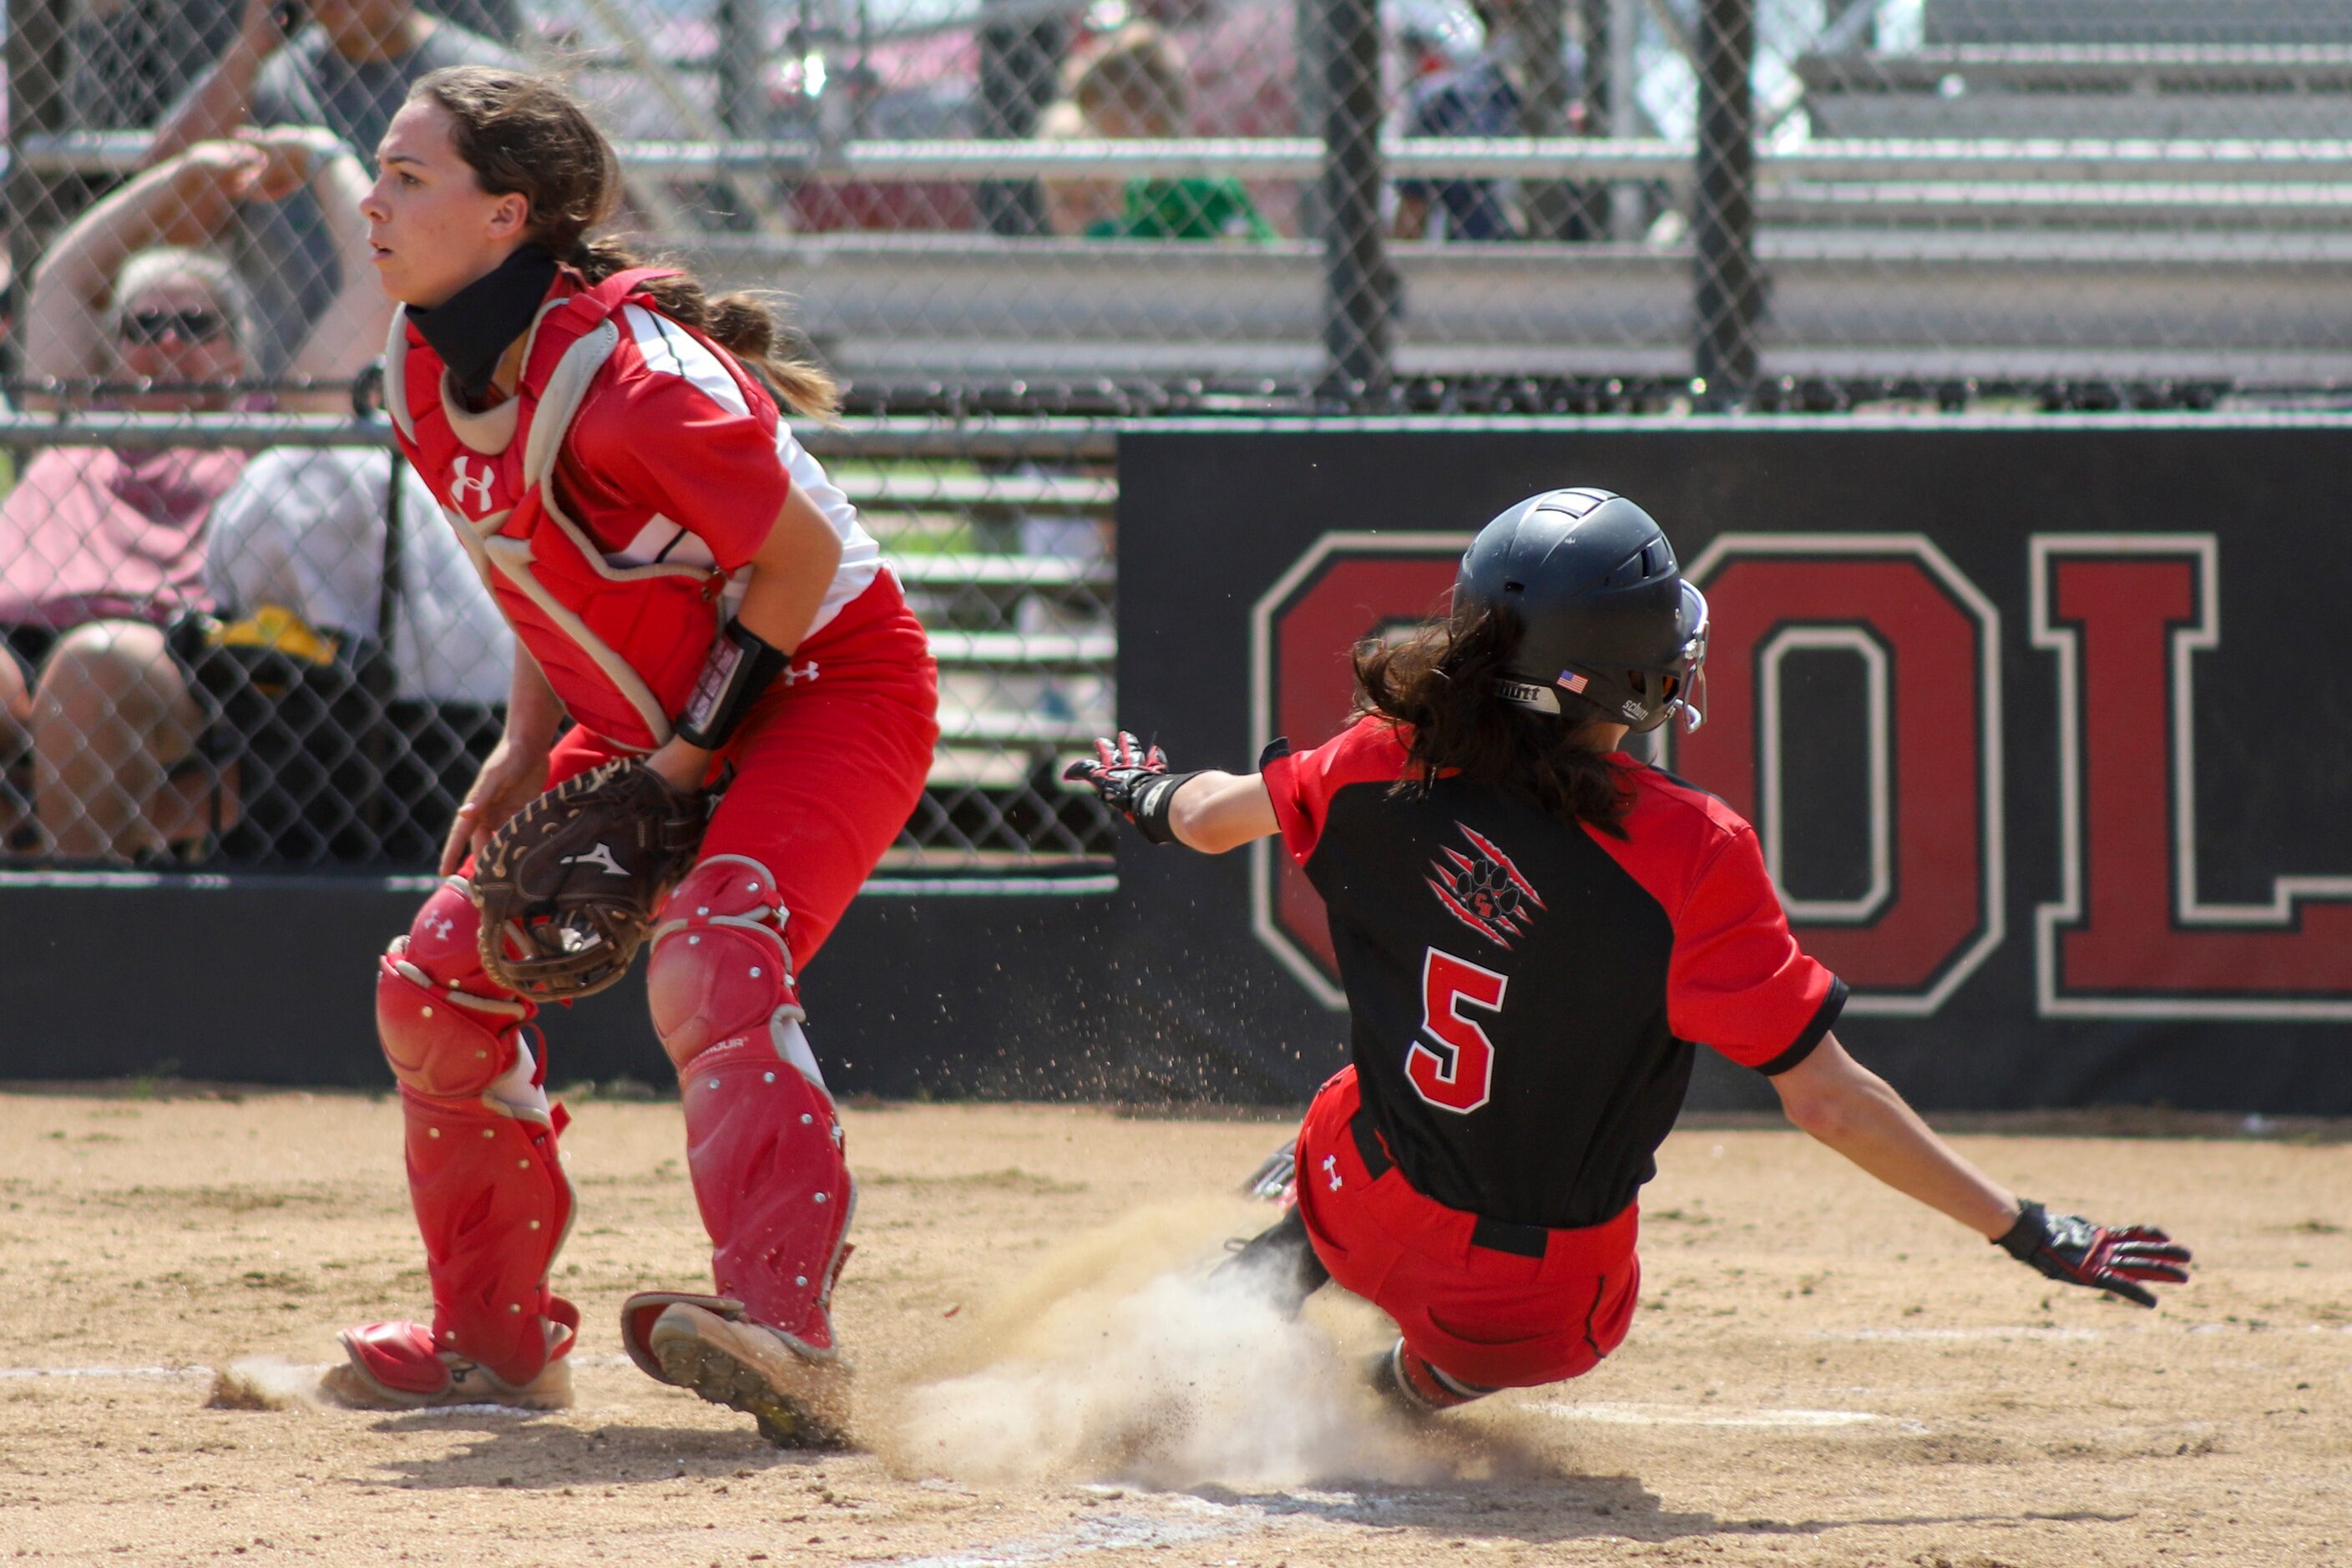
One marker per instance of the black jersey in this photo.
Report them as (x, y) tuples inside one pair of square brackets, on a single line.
[(1526, 992)]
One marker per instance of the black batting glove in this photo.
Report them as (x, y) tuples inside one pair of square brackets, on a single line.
[(1133, 782), (2074, 1251)]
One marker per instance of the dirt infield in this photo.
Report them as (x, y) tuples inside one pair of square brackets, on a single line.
[(1820, 1374)]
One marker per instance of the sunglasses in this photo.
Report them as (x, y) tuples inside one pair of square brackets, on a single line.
[(190, 326)]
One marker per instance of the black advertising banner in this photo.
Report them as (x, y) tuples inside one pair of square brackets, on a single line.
[(265, 979), (2045, 726)]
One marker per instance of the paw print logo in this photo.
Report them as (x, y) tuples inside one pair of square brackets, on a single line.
[(1484, 890), (1488, 895)]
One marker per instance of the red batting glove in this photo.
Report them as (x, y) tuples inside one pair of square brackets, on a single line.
[(2074, 1251)]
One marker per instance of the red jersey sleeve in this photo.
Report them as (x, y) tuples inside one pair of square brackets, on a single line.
[(1301, 784), (1738, 981), (674, 433)]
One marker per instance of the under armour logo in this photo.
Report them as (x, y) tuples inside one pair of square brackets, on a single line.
[(795, 672), (441, 928), (479, 484), (599, 856), (1331, 1170)]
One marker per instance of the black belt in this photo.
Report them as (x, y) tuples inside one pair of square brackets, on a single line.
[(1493, 1235)]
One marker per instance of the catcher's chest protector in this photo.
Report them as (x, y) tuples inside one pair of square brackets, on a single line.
[(621, 644)]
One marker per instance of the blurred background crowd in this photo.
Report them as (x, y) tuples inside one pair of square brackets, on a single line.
[(232, 638)]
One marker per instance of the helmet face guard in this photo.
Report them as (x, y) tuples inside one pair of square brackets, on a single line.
[(1641, 698)]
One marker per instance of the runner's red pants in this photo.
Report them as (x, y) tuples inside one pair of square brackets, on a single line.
[(1487, 1314)]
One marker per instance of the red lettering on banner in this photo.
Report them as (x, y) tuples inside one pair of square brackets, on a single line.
[(1930, 640), (1345, 588), (2131, 937)]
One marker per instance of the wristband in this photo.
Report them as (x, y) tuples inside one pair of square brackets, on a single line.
[(2024, 1238), (1152, 801), (740, 667)]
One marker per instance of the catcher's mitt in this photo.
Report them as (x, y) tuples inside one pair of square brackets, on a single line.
[(569, 886)]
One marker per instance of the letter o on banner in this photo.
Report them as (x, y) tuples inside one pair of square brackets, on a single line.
[(1928, 641), (1343, 588)]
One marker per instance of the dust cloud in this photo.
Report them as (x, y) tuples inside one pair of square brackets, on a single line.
[(1120, 1357), (267, 1383)]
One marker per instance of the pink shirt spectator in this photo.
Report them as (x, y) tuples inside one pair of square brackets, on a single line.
[(90, 534)]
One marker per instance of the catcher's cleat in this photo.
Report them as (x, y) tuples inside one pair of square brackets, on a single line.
[(393, 1366), (798, 1394), (1279, 1261), (1414, 1386)]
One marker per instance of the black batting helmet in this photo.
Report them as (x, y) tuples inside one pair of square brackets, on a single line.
[(1607, 619)]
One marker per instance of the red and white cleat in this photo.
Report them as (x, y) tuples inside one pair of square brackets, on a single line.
[(393, 1366), (798, 1391)]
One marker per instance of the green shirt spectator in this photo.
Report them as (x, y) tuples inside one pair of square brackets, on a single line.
[(1134, 87), (1195, 208)]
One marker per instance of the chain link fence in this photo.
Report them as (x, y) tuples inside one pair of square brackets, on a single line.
[(296, 667), (1010, 225)]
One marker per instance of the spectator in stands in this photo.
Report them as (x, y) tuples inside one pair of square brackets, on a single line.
[(1486, 97), (1078, 205), (349, 69), (1135, 87), (303, 532), (130, 61), (100, 551)]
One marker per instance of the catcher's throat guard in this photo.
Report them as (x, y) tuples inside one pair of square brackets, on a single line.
[(567, 887)]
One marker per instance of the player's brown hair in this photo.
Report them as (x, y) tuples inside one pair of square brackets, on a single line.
[(524, 133), (1439, 683)]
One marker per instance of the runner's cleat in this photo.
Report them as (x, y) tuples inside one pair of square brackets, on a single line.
[(1415, 1387), (1278, 1261), (1275, 1180)]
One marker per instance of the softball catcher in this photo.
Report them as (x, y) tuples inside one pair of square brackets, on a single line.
[(753, 721), (1535, 931)]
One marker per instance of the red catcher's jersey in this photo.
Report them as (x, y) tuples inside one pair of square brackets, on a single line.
[(613, 503), (1525, 993)]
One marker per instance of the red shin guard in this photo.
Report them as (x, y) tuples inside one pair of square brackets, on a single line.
[(764, 1150), (763, 1142), (490, 1195), (493, 1203)]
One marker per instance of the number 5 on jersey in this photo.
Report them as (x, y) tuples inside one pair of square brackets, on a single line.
[(1456, 1073)]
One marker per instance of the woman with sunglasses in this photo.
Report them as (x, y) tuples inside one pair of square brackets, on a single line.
[(100, 550), (688, 586), (1535, 932)]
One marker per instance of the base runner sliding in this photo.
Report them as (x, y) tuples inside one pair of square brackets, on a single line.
[(753, 716), (1534, 930)]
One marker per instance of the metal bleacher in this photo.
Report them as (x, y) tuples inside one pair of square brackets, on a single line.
[(2076, 190), (1979, 261), (2110, 70), (2159, 92)]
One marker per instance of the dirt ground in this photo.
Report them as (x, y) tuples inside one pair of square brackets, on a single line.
[(1820, 1374)]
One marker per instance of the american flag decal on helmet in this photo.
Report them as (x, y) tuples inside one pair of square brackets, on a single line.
[(1483, 890), (1573, 682)]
